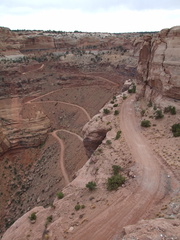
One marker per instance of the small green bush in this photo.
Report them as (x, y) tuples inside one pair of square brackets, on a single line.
[(60, 195), (115, 105), (176, 129), (143, 112), (132, 89), (124, 97), (154, 108), (118, 134), (170, 109), (115, 182), (106, 111), (77, 207), (33, 216), (150, 104), (48, 220), (116, 169), (158, 114), (108, 142), (116, 112), (91, 185), (145, 123)]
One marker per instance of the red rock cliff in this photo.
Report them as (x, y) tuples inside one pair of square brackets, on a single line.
[(159, 63)]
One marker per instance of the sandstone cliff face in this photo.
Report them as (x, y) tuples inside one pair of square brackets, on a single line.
[(36, 42), (159, 63), (19, 132), (9, 41)]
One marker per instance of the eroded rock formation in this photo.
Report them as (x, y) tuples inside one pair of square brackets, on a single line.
[(19, 132), (159, 63)]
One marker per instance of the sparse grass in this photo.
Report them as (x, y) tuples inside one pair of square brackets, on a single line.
[(145, 123), (91, 185)]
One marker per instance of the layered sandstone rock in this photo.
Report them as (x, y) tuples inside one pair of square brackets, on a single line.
[(9, 42), (94, 133), (159, 63), (18, 132), (36, 42)]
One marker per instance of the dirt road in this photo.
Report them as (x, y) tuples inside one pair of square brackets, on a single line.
[(61, 159), (148, 191), (62, 148)]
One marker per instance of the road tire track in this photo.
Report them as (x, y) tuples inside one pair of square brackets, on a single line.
[(149, 190)]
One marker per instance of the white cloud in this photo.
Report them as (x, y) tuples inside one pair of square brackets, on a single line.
[(112, 19)]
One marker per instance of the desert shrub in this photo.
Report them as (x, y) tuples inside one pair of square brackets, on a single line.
[(77, 207), (150, 104), (170, 109), (116, 169), (83, 206), (115, 105), (114, 182), (145, 123), (108, 142), (60, 195), (118, 134), (33, 216), (114, 97), (124, 97), (112, 102), (175, 128), (48, 220), (132, 89), (116, 112), (158, 114), (106, 111), (143, 112), (91, 185)]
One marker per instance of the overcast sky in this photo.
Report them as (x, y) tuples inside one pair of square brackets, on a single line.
[(90, 15)]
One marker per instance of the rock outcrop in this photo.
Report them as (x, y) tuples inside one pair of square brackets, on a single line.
[(159, 63), (18, 132), (153, 229), (94, 133)]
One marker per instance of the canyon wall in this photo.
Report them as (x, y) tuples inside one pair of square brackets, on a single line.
[(159, 64)]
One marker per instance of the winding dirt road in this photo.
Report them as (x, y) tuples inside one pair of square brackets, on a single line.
[(149, 190), (61, 158)]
